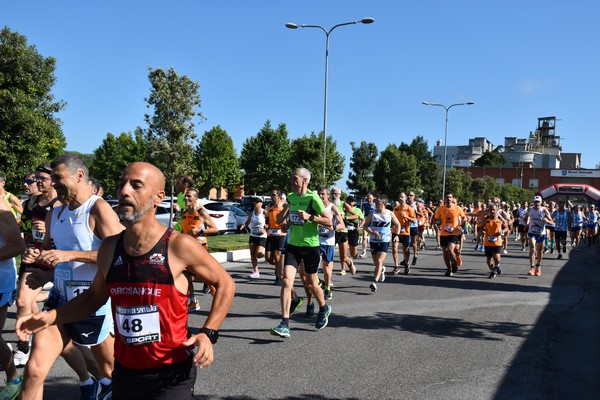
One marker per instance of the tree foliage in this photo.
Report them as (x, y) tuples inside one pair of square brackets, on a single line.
[(485, 188), (30, 132), (265, 158), (307, 152), (362, 165), (458, 182), (431, 180), (395, 172), (217, 162), (174, 100), (114, 154), (491, 159)]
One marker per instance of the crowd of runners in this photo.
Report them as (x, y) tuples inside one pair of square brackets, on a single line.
[(121, 284)]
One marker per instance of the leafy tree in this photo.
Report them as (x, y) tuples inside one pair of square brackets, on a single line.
[(491, 158), (114, 154), (458, 182), (30, 133), (307, 152), (419, 149), (174, 100), (485, 188), (265, 158), (217, 161), (362, 165), (396, 172), (430, 173)]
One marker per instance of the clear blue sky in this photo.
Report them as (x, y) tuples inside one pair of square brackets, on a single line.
[(518, 60)]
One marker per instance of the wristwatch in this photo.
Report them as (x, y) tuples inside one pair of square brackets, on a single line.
[(311, 218), (211, 333)]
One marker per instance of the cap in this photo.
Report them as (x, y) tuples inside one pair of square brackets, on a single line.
[(537, 198), (258, 200), (350, 199)]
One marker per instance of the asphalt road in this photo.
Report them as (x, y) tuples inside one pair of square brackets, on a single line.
[(421, 336)]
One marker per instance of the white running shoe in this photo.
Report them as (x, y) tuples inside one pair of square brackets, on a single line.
[(20, 358), (382, 277)]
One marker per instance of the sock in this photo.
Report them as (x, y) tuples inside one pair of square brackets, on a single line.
[(16, 381), (89, 381), (105, 381), (286, 321), (327, 287), (321, 309), (552, 244)]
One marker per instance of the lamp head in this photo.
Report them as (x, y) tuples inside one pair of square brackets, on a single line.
[(425, 103), (470, 103), (367, 20), (291, 25)]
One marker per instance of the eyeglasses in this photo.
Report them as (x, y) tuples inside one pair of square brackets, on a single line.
[(411, 195), (29, 181), (42, 178)]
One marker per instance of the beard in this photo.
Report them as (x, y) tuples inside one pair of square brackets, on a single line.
[(337, 201), (137, 215)]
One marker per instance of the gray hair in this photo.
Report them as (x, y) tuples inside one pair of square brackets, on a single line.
[(73, 162), (303, 172)]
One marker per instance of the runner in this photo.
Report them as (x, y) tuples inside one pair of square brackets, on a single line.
[(448, 218), (11, 245), (560, 217), (257, 225), (536, 219), (367, 207), (341, 233), (142, 272), (405, 214), (379, 225), (495, 227), (576, 225), (522, 228), (327, 241), (414, 227), (306, 211), (11, 199), (33, 221), (275, 234), (591, 223), (353, 223), (76, 230)]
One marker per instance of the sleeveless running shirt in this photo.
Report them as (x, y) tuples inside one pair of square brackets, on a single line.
[(70, 230), (8, 272), (150, 314), (537, 225), (257, 224), (382, 223), (327, 235)]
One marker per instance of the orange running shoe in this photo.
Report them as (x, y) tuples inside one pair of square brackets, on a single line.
[(538, 271), (531, 271)]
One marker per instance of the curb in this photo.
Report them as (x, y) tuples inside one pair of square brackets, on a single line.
[(234, 255)]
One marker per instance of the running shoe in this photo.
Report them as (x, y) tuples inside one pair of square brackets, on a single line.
[(20, 358), (382, 277), (546, 251), (498, 270), (492, 274), (454, 268), (327, 294), (342, 272), (504, 251), (310, 310), (373, 287), (448, 272), (564, 249), (254, 275), (277, 282), (538, 271), (396, 270), (406, 269), (458, 261), (363, 254), (12, 389), (105, 392), (205, 288), (559, 256), (523, 248), (551, 250), (476, 247), (281, 330), (321, 283), (352, 267), (531, 271), (90, 392), (438, 247), (482, 249), (414, 261), (193, 306), (323, 317), (295, 304)]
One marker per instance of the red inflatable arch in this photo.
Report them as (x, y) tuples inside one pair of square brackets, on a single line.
[(570, 189)]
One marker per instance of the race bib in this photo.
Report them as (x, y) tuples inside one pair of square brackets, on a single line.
[(75, 288), (295, 219), (255, 230), (275, 232), (138, 324), (536, 229), (449, 228), (323, 231), (350, 227), (37, 235), (492, 238), (402, 229)]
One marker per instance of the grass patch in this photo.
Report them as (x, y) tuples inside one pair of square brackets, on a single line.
[(227, 242)]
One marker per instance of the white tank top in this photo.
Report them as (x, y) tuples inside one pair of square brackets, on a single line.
[(327, 235), (70, 230), (537, 226), (8, 272), (381, 223), (257, 223)]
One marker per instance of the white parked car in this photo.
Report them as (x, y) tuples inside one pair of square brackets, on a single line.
[(227, 217)]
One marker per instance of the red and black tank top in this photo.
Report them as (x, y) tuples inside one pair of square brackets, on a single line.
[(150, 314)]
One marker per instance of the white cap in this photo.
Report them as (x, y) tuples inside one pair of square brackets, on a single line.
[(537, 198)]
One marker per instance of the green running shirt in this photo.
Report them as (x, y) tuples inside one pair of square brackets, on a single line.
[(304, 233)]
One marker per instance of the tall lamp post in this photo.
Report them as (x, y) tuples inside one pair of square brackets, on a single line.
[(468, 103), (291, 25)]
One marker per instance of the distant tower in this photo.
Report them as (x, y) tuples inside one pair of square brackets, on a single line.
[(438, 142)]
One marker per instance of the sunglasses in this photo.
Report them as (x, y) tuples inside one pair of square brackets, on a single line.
[(29, 181)]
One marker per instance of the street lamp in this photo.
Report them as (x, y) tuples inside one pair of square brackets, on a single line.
[(468, 103), (291, 25)]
